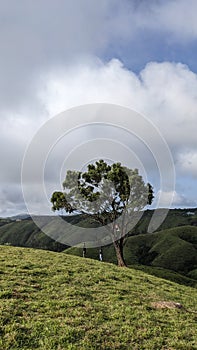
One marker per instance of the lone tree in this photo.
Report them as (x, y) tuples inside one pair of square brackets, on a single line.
[(107, 193)]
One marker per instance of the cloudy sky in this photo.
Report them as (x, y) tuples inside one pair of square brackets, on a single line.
[(55, 55)]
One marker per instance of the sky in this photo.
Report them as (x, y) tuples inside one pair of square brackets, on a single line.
[(55, 55)]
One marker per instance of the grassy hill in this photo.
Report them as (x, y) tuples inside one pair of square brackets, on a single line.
[(174, 218), (174, 249), (25, 233), (57, 301)]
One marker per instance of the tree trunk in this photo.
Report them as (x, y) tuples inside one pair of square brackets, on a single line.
[(118, 245)]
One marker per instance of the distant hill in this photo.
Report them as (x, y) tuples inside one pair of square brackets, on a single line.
[(25, 225), (54, 301), (20, 217), (174, 218), (25, 233)]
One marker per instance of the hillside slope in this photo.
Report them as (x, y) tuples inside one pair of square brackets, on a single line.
[(25, 233), (174, 249), (56, 301), (174, 218)]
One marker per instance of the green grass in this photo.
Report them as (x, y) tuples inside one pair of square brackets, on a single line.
[(57, 301), (109, 256), (174, 249), (168, 275)]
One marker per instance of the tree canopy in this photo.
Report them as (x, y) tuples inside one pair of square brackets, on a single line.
[(111, 194)]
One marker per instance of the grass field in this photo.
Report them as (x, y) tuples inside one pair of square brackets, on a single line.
[(57, 301)]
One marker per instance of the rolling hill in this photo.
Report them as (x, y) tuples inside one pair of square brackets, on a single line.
[(22, 231), (25, 233), (173, 249), (56, 301)]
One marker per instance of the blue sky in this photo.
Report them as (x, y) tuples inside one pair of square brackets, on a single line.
[(154, 46), (55, 55)]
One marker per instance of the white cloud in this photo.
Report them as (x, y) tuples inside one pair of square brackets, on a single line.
[(11, 200), (36, 36), (187, 162), (164, 92), (176, 17), (178, 199)]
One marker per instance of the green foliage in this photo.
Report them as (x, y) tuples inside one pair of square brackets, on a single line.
[(112, 189), (105, 192), (54, 301), (59, 202)]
